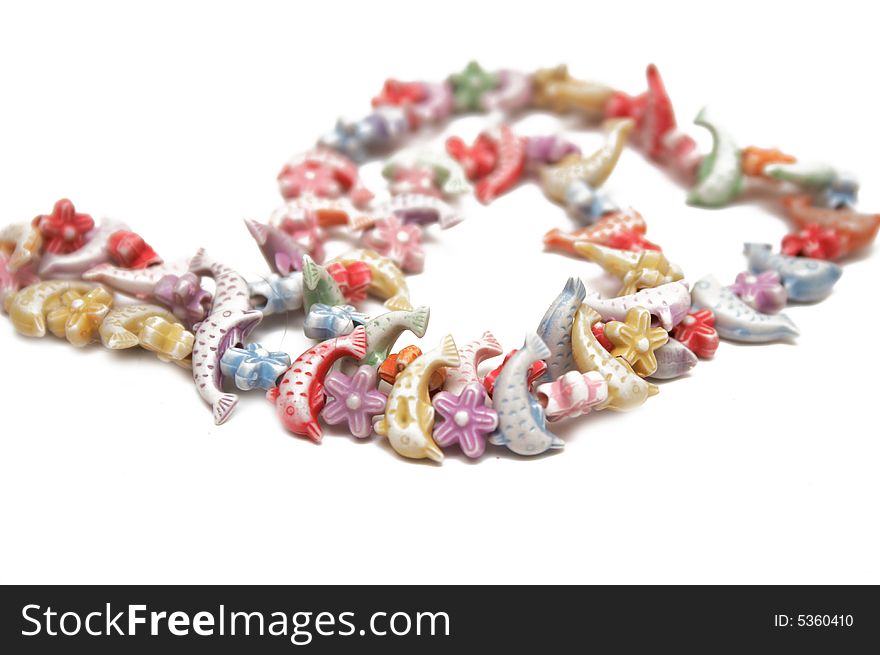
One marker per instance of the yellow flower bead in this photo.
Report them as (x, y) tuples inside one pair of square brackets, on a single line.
[(635, 340), (77, 315), (171, 341)]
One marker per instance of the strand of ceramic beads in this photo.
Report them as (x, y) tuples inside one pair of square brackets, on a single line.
[(88, 282)]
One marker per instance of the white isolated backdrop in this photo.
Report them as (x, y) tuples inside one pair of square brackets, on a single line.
[(761, 466)]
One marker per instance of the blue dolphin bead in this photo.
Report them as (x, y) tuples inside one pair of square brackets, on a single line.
[(805, 279)]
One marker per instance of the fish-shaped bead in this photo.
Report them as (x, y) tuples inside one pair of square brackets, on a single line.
[(319, 286), (674, 359), (121, 327), (555, 329), (734, 319), (133, 282), (521, 421), (387, 282), (637, 270), (626, 390), (27, 308), (93, 253), (719, 178), (409, 414), (299, 396), (604, 232), (280, 250), (384, 330), (229, 322), (471, 356), (856, 230), (668, 303), (805, 279)]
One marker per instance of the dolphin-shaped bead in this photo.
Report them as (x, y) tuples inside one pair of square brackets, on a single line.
[(471, 355), (319, 286), (674, 359), (521, 421), (555, 329), (734, 319), (387, 281), (385, 329), (804, 279), (669, 304), (719, 178)]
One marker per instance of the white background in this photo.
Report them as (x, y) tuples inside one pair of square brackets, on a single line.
[(761, 466)]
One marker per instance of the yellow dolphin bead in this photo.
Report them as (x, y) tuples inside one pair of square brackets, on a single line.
[(637, 270), (387, 281), (555, 89), (635, 340), (27, 308), (77, 316)]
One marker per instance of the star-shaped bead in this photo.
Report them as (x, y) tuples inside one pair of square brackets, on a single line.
[(469, 86), (697, 332), (464, 419), (763, 291), (354, 400), (635, 340), (813, 241), (64, 230)]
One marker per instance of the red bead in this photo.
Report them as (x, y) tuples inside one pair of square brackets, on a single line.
[(631, 240), (64, 231), (354, 280), (129, 250), (537, 370), (697, 332), (508, 171), (477, 160), (599, 332), (813, 241)]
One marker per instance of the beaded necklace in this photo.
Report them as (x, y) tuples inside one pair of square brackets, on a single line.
[(89, 282)]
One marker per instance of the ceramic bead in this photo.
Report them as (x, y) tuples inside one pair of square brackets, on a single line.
[(319, 286), (28, 307), (854, 229), (77, 316), (763, 291), (668, 303), (754, 160), (719, 179), (609, 229), (697, 333), (471, 355), (734, 319), (587, 204), (301, 220), (807, 175), (184, 296), (171, 341), (464, 419), (11, 281), (330, 321), (536, 371), (470, 85), (512, 93), (280, 250), (276, 294), (509, 169), (555, 328), (395, 364), (428, 173), (299, 396), (549, 149), (635, 340), (21, 243), (387, 280), (626, 390), (813, 241), (805, 279), (594, 169), (409, 416), (598, 329), (228, 323), (353, 400), (401, 242), (64, 230), (94, 251), (555, 89), (477, 160), (254, 366), (436, 106), (122, 326), (400, 94), (423, 210), (354, 280), (573, 394), (384, 330), (521, 420), (637, 270), (674, 359), (129, 250), (139, 283)]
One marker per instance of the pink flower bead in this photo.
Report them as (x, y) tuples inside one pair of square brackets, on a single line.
[(400, 242)]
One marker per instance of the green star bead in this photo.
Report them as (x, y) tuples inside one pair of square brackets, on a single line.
[(469, 85)]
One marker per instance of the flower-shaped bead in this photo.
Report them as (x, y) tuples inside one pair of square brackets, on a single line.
[(354, 400), (77, 316), (635, 340), (813, 241), (464, 419), (400, 94), (572, 394), (64, 230), (305, 227), (308, 177), (400, 242), (172, 342), (348, 138), (353, 279), (330, 321), (469, 86), (477, 160), (420, 180), (697, 332), (129, 250), (254, 366), (184, 296), (763, 291)]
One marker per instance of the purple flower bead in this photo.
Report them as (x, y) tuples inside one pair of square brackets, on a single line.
[(763, 292), (466, 419), (184, 296), (353, 399)]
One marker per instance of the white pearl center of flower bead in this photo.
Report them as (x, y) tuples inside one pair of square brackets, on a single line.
[(402, 236), (310, 175), (689, 320), (77, 304), (69, 233), (642, 345), (353, 402), (461, 418)]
